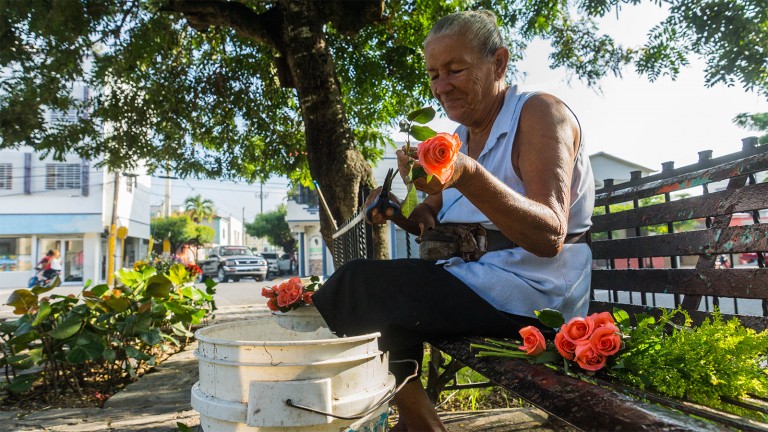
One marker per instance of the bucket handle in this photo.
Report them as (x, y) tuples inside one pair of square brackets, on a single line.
[(378, 404)]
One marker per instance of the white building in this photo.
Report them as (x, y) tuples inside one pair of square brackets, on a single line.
[(67, 205), (608, 166)]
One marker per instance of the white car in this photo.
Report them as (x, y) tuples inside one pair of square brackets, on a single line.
[(271, 258)]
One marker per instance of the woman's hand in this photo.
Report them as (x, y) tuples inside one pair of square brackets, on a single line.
[(434, 186), (376, 217)]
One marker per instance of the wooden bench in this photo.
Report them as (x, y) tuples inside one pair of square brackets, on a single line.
[(647, 257)]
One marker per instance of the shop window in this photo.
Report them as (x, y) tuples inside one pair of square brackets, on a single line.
[(62, 176), (15, 254), (6, 178)]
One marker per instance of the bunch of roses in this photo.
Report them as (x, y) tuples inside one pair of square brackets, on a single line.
[(289, 295), (588, 341), (193, 269)]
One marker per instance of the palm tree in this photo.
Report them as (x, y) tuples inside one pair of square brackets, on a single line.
[(199, 208)]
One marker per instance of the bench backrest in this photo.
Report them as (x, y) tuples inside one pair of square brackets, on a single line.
[(673, 238)]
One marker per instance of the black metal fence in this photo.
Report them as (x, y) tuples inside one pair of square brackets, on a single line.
[(352, 240)]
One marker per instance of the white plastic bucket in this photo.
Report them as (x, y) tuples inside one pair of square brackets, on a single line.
[(249, 369)]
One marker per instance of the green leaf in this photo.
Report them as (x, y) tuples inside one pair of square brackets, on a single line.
[(118, 304), (22, 383), (179, 329), (209, 285), (551, 318), (21, 300), (547, 356), (43, 312), (410, 201), (68, 327), (26, 360), (192, 293), (151, 337), (99, 290), (421, 115), (109, 355), (429, 177), (422, 133), (159, 286), (417, 172), (177, 274), (87, 346), (135, 353), (42, 289), (621, 317)]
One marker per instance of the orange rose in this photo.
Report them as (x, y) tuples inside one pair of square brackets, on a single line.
[(602, 318), (605, 340), (564, 346), (579, 329), (268, 292), (438, 154), (589, 359), (533, 341), (307, 297), (272, 304)]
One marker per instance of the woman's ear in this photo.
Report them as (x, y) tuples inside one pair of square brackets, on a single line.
[(500, 60)]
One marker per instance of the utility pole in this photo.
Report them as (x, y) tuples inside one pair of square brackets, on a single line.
[(113, 233), (245, 235), (261, 197), (167, 209)]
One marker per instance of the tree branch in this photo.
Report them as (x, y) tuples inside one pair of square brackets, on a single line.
[(260, 27)]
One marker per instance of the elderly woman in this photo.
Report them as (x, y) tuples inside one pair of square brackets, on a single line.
[(522, 174)]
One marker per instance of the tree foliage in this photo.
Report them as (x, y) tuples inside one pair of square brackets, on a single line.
[(301, 88), (180, 230), (274, 228), (756, 122)]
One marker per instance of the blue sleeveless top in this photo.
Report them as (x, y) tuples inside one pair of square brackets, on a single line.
[(515, 280)]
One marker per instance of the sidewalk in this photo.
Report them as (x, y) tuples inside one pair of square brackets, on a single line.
[(161, 398)]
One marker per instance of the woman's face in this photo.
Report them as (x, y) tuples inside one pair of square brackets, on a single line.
[(463, 80)]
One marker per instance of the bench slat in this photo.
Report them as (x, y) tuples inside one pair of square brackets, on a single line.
[(748, 198), (736, 239), (747, 283), (756, 323), (650, 187)]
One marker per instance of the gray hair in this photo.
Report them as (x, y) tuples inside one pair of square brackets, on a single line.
[(478, 27)]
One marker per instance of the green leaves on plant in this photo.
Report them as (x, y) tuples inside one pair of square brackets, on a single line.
[(159, 286), (87, 346), (68, 327), (22, 383), (116, 330)]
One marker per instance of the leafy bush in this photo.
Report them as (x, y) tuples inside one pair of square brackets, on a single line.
[(61, 344)]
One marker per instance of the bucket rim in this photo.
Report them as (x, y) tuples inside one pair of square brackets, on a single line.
[(319, 363), (337, 340)]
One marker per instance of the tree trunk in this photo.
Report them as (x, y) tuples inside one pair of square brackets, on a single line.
[(334, 162)]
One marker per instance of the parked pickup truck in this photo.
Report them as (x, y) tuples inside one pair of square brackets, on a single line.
[(232, 263)]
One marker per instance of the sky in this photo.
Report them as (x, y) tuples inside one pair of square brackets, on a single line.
[(631, 118)]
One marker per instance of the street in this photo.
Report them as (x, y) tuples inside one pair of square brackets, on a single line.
[(245, 292)]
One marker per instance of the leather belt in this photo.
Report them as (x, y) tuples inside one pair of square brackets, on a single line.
[(498, 241)]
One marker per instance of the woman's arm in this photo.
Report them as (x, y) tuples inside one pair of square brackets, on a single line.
[(544, 152)]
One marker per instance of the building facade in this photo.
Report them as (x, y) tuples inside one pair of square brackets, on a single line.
[(67, 205)]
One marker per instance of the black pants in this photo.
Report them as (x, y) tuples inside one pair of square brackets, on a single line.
[(408, 300)]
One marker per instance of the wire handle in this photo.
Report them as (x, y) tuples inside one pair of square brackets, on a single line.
[(378, 404)]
